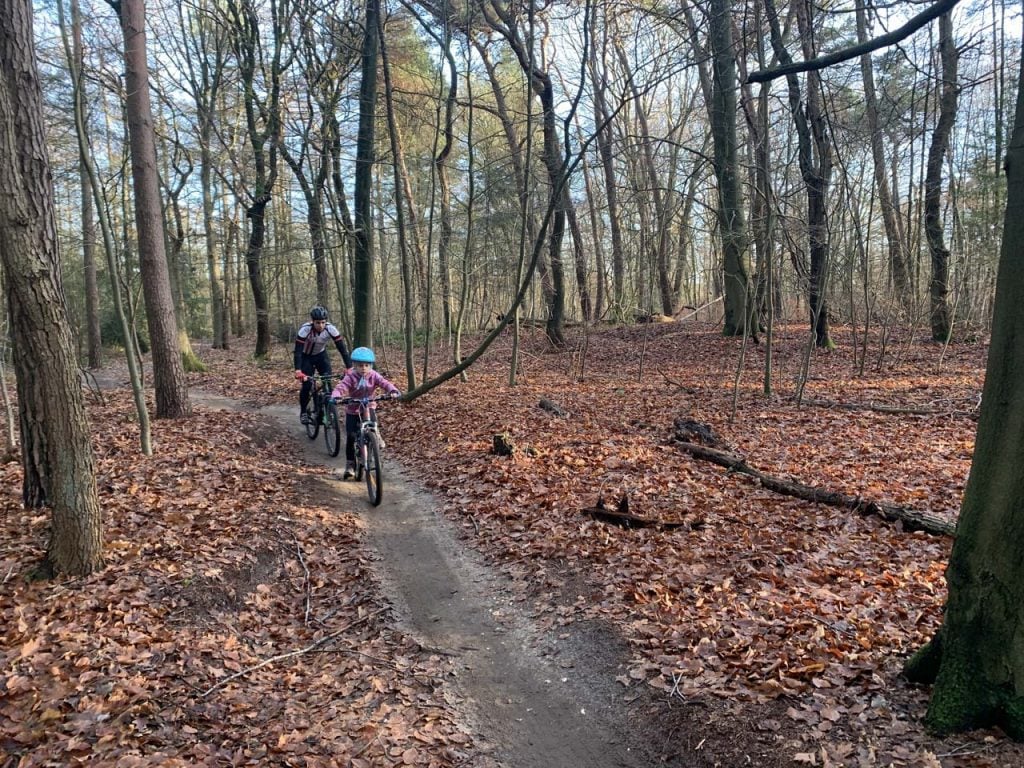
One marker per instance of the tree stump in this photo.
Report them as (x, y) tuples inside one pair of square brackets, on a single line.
[(690, 431), (503, 444)]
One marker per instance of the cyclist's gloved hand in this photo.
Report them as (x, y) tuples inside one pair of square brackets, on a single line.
[(332, 400), (299, 375), (395, 395)]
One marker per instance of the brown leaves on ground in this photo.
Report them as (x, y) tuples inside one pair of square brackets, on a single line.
[(218, 560), (772, 598)]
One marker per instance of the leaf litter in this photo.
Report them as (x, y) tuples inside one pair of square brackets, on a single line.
[(793, 617)]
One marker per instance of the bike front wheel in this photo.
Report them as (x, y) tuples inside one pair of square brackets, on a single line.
[(332, 430), (312, 417), (374, 473)]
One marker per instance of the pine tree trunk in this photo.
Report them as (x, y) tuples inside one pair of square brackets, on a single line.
[(56, 448), (92, 292), (362, 283), (168, 373)]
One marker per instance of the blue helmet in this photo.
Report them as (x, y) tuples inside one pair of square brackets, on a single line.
[(363, 355)]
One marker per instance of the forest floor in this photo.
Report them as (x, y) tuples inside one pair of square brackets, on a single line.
[(255, 610)]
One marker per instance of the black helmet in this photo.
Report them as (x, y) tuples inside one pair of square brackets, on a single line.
[(318, 313)]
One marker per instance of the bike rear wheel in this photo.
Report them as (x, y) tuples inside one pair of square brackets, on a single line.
[(332, 430), (374, 473), (312, 417)]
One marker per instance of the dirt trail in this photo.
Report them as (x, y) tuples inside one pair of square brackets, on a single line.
[(526, 710)]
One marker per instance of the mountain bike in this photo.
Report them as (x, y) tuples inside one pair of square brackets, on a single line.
[(321, 412), (368, 443)]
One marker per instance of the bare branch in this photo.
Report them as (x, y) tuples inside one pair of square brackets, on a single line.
[(891, 38)]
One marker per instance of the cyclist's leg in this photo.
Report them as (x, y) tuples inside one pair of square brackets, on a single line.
[(306, 366), (322, 363), (351, 428)]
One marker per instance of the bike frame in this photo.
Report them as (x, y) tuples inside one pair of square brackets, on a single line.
[(366, 425), (367, 443)]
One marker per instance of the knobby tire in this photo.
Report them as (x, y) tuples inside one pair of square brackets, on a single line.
[(332, 430), (312, 417), (374, 472)]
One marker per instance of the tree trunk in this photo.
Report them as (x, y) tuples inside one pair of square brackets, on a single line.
[(56, 448), (655, 185), (502, 20), (168, 373), (262, 102), (815, 154), (602, 118), (362, 284), (256, 213), (214, 272), (312, 193), (938, 290), (400, 176), (444, 184), (739, 317), (899, 269), (977, 658), (92, 292)]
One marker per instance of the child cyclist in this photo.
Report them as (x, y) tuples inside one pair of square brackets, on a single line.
[(360, 381)]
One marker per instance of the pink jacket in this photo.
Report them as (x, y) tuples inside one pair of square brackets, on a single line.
[(354, 385)]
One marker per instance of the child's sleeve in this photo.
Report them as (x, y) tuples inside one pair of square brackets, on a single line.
[(340, 389)]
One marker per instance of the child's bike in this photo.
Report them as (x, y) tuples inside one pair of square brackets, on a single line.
[(368, 447), (321, 412)]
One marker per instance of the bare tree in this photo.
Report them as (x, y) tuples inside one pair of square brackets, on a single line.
[(203, 63), (260, 69), (94, 336), (899, 268), (815, 153), (938, 289)]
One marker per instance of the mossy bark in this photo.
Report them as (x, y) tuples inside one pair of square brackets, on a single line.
[(979, 669)]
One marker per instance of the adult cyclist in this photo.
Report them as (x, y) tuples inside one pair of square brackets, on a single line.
[(311, 353)]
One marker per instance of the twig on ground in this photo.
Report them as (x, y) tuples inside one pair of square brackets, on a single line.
[(830, 625), (307, 588), (963, 749), (280, 657)]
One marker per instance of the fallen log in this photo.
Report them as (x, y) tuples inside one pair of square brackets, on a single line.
[(890, 409), (626, 519), (911, 519)]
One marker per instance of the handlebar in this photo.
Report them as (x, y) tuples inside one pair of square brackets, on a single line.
[(367, 400)]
